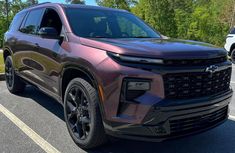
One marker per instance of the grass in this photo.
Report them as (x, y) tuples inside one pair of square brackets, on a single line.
[(1, 63)]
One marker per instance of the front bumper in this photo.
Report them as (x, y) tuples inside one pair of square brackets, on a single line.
[(152, 116), (168, 120)]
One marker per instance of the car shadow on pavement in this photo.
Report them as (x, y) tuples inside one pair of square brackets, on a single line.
[(44, 100), (218, 140)]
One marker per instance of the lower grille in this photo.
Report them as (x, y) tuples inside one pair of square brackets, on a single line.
[(196, 84), (197, 123)]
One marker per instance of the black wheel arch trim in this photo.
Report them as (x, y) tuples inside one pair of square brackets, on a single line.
[(7, 49), (90, 75)]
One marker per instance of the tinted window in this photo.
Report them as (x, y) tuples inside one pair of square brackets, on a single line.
[(31, 25), (108, 24), (51, 19), (15, 24)]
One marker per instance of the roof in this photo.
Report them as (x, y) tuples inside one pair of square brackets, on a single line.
[(90, 7), (73, 6)]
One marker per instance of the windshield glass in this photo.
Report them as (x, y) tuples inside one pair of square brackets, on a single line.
[(107, 24)]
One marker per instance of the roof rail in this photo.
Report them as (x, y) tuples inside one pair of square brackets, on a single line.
[(38, 4)]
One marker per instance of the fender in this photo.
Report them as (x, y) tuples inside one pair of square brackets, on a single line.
[(91, 76)]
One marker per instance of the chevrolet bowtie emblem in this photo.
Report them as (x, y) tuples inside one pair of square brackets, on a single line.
[(212, 69)]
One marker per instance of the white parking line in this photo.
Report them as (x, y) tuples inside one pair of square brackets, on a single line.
[(233, 82), (28, 131)]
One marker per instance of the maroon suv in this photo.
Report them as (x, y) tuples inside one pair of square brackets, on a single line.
[(115, 75)]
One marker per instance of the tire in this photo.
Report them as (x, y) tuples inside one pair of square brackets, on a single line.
[(13, 82), (233, 56), (82, 114)]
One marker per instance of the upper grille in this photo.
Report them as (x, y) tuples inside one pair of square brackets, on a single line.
[(196, 84), (195, 62)]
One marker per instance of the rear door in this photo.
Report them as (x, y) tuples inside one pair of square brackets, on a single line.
[(27, 44)]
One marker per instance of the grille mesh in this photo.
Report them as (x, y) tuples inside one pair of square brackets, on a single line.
[(196, 84), (195, 62), (192, 124)]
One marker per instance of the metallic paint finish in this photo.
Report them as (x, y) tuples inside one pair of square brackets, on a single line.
[(43, 62)]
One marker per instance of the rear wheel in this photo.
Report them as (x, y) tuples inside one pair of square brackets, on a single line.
[(13, 82), (82, 114)]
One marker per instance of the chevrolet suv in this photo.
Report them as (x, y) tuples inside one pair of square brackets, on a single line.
[(115, 75)]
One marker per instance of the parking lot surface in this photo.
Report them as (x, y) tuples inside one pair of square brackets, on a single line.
[(44, 116)]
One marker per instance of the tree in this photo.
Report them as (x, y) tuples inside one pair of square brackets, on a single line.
[(7, 14), (76, 1), (32, 2), (120, 4), (160, 14)]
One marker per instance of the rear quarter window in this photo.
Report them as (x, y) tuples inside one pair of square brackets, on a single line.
[(31, 25), (15, 24)]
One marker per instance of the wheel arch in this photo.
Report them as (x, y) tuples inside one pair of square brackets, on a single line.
[(79, 71), (71, 72), (6, 52)]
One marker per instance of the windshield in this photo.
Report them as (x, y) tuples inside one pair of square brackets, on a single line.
[(107, 24)]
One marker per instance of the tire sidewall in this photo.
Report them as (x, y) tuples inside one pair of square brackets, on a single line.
[(233, 56), (9, 59), (92, 104)]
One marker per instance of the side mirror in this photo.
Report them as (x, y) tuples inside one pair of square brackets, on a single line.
[(48, 32)]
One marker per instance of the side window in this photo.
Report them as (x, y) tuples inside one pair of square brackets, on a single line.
[(51, 19), (31, 25), (15, 24)]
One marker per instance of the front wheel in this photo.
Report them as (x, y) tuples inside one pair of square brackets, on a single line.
[(14, 82), (233, 56), (82, 114)]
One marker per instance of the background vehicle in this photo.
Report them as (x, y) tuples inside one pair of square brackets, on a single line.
[(230, 44), (115, 75)]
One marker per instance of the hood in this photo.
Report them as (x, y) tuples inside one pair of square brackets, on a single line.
[(156, 48)]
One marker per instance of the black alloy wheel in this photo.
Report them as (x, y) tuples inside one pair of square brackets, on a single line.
[(9, 73), (82, 114), (78, 113), (14, 83)]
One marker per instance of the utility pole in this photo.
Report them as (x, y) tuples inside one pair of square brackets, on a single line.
[(7, 12)]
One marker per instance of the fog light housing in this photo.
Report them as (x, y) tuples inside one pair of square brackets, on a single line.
[(134, 88), (138, 85)]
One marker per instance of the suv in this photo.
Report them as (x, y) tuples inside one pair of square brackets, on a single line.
[(116, 76), (230, 44)]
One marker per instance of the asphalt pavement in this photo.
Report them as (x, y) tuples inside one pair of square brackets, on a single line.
[(44, 117)]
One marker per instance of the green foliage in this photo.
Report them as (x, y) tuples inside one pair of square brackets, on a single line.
[(14, 7), (76, 1), (120, 4), (202, 20), (1, 63)]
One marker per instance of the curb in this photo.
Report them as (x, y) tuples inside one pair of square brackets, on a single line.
[(2, 76)]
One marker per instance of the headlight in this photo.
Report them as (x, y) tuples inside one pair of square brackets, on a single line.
[(134, 59)]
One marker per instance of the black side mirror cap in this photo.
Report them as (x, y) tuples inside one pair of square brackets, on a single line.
[(48, 32)]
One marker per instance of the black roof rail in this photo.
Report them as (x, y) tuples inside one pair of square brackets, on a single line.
[(38, 4)]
